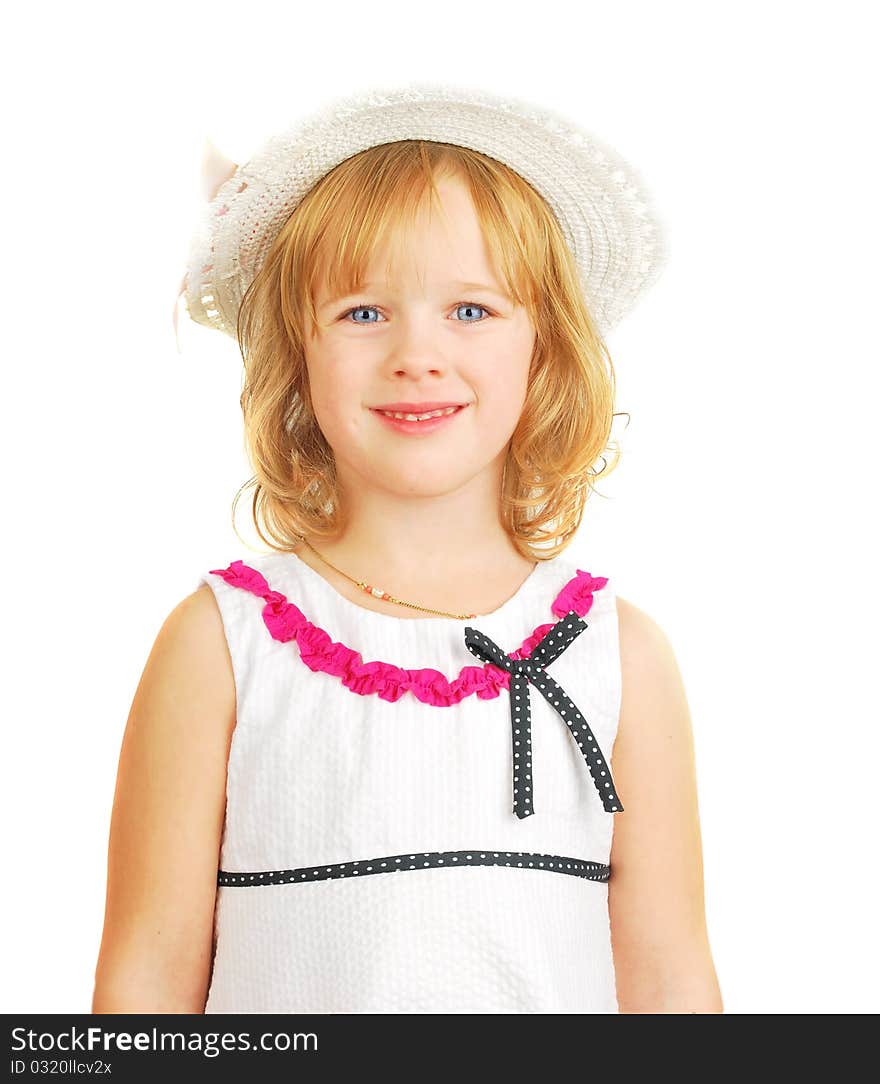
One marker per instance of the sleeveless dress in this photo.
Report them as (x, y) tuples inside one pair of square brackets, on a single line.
[(419, 810)]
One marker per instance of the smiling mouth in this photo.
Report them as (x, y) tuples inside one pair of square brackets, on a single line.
[(402, 416)]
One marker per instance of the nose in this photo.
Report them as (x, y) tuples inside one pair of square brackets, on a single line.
[(414, 350)]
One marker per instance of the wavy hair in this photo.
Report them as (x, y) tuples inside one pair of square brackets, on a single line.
[(565, 425)]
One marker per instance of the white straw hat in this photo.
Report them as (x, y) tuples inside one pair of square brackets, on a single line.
[(603, 207)]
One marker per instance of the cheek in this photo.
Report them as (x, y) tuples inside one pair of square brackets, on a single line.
[(328, 391), (508, 391), (341, 418), (504, 398)]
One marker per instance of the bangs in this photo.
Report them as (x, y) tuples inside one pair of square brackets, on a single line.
[(371, 202)]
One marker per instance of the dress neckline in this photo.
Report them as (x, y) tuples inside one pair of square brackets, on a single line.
[(534, 577), (285, 622)]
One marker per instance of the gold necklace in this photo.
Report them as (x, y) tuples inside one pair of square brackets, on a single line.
[(377, 592)]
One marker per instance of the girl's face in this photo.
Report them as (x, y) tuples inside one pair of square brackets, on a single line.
[(443, 331)]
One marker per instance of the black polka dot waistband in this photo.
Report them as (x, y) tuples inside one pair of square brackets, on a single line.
[(396, 863)]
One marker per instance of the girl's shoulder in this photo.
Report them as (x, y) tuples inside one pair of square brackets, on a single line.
[(642, 639), (654, 701)]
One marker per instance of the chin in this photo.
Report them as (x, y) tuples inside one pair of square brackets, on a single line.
[(425, 483)]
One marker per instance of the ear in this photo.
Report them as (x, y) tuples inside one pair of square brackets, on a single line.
[(216, 168)]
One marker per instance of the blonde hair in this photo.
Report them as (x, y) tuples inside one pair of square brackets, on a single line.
[(565, 425)]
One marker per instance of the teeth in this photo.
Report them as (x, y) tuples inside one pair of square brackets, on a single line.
[(419, 417)]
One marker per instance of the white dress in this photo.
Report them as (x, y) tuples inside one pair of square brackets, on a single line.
[(390, 845)]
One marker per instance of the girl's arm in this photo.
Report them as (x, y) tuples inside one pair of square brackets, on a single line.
[(662, 957), (167, 821)]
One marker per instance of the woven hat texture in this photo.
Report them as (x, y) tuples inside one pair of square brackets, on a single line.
[(604, 209)]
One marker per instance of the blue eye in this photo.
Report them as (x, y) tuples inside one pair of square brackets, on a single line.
[(471, 305), (361, 309)]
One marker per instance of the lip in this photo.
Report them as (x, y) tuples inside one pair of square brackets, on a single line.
[(419, 428), (416, 408)]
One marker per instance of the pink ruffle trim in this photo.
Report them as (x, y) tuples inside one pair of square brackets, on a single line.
[(286, 622)]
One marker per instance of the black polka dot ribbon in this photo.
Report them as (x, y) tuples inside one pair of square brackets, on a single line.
[(396, 863), (524, 671)]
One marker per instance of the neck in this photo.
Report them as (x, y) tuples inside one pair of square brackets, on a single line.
[(447, 551), (411, 536)]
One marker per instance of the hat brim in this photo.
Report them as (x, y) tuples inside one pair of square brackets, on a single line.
[(603, 207)]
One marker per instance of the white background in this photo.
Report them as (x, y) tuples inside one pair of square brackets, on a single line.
[(741, 517)]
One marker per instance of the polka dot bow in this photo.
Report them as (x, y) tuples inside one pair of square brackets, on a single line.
[(524, 671)]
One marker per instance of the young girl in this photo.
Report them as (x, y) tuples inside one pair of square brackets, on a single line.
[(370, 771)]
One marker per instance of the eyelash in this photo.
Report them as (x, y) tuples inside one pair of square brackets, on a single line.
[(458, 305)]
